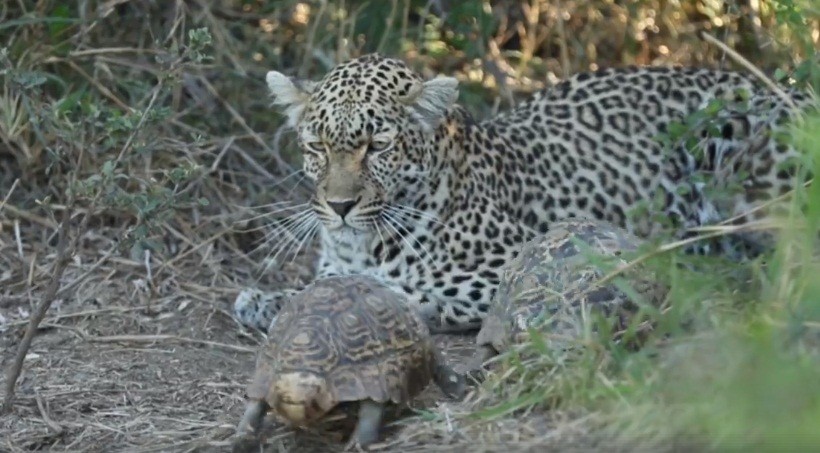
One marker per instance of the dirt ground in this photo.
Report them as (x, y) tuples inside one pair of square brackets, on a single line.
[(135, 361)]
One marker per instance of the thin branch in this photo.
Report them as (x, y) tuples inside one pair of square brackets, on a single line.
[(713, 232), (112, 50), (765, 205), (33, 218), (64, 290), (156, 338), (81, 314), (311, 38), (64, 253), (100, 87), (44, 413), (387, 26), (8, 195), (281, 164), (750, 67)]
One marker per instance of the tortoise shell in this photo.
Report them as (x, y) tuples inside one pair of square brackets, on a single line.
[(552, 281), (342, 339)]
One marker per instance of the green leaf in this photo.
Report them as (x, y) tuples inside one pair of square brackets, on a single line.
[(39, 20), (56, 29), (108, 169)]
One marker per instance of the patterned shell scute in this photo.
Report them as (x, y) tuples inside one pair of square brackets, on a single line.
[(363, 338), (552, 279)]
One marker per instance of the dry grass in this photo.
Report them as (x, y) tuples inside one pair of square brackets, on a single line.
[(124, 364), (83, 389), (127, 366), (119, 366)]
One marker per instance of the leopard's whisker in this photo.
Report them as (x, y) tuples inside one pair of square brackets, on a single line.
[(270, 257), (285, 224), (398, 233), (309, 236), (302, 178), (287, 177), (269, 205), (271, 214), (406, 211), (397, 226), (381, 239), (423, 173), (282, 228), (306, 231), (292, 236)]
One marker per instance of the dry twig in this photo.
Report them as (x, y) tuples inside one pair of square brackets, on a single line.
[(46, 418), (156, 338), (8, 195), (64, 253), (750, 67)]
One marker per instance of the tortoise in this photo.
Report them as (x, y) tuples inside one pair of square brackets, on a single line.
[(344, 342), (552, 282)]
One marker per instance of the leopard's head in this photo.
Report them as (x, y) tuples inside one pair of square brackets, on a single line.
[(364, 130)]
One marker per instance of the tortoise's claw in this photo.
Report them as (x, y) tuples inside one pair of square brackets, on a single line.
[(245, 443)]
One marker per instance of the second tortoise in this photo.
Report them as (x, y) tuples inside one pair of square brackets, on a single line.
[(552, 285)]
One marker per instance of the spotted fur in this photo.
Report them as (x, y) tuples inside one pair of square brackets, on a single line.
[(414, 191)]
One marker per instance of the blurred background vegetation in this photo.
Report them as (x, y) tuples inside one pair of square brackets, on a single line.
[(149, 119), (103, 66)]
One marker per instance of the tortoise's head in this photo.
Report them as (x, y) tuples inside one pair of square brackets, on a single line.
[(300, 397)]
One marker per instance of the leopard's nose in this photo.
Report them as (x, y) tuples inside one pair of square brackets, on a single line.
[(342, 207)]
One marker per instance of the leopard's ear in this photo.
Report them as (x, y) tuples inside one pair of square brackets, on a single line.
[(429, 101), (290, 94)]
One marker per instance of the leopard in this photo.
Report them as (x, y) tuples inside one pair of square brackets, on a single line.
[(410, 188)]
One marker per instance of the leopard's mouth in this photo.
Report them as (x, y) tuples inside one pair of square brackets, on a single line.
[(345, 226), (357, 224)]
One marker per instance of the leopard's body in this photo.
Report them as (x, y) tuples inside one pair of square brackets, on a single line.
[(409, 188)]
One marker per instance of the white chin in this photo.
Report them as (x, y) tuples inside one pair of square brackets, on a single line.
[(343, 231)]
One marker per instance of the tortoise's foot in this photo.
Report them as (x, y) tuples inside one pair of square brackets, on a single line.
[(246, 443), (247, 439), (476, 372), (476, 368), (477, 376), (354, 445), (368, 425), (252, 419)]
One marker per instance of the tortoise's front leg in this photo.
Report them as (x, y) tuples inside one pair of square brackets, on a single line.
[(369, 424), (475, 368), (246, 437), (254, 414), (258, 309)]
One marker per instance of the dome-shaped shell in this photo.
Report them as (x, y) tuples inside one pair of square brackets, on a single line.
[(552, 282), (360, 339)]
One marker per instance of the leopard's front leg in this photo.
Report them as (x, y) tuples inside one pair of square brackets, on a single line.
[(257, 308)]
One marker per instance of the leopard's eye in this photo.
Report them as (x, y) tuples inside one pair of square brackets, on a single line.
[(379, 145), (315, 147)]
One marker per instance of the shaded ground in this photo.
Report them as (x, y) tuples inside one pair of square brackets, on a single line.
[(117, 368)]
